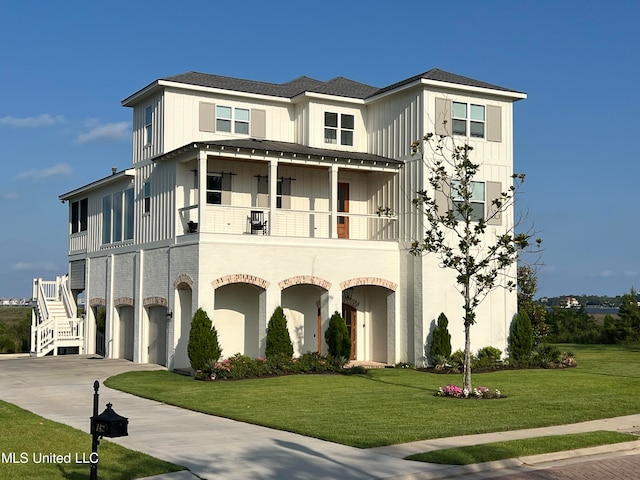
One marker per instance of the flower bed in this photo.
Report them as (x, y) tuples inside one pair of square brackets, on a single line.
[(458, 392)]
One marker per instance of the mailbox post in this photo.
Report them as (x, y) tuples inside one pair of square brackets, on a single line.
[(107, 424)]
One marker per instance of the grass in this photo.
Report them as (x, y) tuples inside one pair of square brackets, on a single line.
[(390, 406), (26, 434), (520, 448)]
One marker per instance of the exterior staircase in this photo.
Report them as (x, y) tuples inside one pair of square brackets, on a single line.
[(55, 326)]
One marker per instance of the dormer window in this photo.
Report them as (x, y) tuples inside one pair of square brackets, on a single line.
[(338, 128)]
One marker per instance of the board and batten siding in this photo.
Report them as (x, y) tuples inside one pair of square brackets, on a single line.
[(159, 223), (142, 150), (190, 116), (315, 125)]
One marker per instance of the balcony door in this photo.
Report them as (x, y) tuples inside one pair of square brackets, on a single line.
[(343, 206)]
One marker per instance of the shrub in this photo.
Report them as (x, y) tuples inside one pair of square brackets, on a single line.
[(487, 357), (355, 370), (337, 337), (441, 340), (545, 355), (456, 360), (203, 348), (521, 339), (314, 362), (278, 339)]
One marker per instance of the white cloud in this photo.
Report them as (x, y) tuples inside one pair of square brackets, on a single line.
[(110, 131), (43, 120), (59, 170), (629, 274), (606, 273), (9, 195), (26, 266)]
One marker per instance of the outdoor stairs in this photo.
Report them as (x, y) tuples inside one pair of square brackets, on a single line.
[(55, 326)]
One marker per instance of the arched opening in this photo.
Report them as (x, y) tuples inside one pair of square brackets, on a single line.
[(182, 316), (125, 332), (157, 345), (236, 316), (300, 305)]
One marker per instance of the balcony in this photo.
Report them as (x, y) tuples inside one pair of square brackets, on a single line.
[(235, 220)]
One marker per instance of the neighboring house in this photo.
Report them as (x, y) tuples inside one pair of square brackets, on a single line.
[(245, 195)]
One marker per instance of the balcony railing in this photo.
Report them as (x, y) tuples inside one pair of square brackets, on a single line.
[(284, 223)]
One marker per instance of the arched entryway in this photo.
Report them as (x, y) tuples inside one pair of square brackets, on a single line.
[(157, 344), (349, 314), (182, 317), (301, 305), (125, 325), (236, 316)]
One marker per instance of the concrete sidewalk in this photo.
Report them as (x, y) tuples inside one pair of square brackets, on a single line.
[(60, 388)]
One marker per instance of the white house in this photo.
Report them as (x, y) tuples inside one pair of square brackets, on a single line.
[(245, 195)]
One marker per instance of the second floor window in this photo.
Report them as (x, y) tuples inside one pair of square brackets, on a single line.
[(117, 216), (476, 200), (79, 215), (146, 196), (470, 118), (148, 125), (232, 120), (217, 184), (338, 128)]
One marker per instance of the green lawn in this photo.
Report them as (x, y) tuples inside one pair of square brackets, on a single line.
[(25, 434), (489, 452), (390, 406)]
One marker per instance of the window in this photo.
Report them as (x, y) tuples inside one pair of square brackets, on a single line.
[(468, 117), (148, 124), (476, 200), (146, 197), (217, 185), (232, 120), (117, 216), (338, 128), (79, 215), (283, 190)]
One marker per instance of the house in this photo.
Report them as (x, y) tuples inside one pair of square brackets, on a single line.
[(245, 195)]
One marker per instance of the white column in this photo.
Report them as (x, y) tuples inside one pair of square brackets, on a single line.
[(110, 314), (202, 187), (273, 193), (333, 191), (90, 326)]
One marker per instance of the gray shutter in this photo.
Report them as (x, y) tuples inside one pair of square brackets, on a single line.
[(207, 117), (443, 116), (494, 190), (286, 193), (258, 123), (77, 274), (443, 199), (494, 123), (226, 188), (263, 191)]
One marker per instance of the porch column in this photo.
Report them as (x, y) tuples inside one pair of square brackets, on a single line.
[(273, 193), (333, 192), (202, 187)]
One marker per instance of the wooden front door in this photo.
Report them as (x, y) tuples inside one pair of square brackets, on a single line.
[(349, 315), (319, 335), (343, 206)]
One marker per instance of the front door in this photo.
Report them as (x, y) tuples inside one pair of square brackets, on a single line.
[(349, 315), (343, 206)]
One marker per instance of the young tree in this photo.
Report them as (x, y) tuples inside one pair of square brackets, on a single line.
[(203, 347), (521, 338), (337, 337), (441, 340), (459, 235), (278, 339), (527, 288), (629, 313)]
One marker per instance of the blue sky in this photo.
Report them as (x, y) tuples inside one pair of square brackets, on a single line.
[(65, 67)]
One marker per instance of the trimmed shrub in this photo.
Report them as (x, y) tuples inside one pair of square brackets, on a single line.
[(441, 341), (521, 339), (546, 356), (203, 348), (337, 337), (487, 357), (278, 339)]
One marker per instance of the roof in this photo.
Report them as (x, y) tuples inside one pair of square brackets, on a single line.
[(339, 86), (114, 177), (284, 147)]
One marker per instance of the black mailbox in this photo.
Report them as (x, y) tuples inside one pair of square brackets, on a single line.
[(109, 424)]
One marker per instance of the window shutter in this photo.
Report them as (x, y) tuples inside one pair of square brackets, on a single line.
[(494, 190), (443, 116), (207, 117), (494, 123), (258, 123), (77, 270), (262, 199), (286, 193), (226, 188), (443, 199)]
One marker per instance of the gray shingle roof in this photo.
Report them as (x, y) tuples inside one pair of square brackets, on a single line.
[(339, 86), (287, 148)]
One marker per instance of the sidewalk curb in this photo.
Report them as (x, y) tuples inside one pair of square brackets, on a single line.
[(544, 460)]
